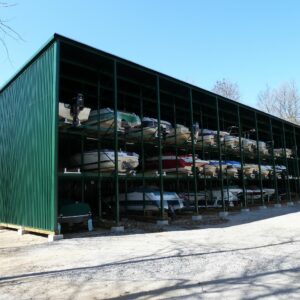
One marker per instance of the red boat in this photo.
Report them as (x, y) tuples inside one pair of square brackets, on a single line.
[(172, 164)]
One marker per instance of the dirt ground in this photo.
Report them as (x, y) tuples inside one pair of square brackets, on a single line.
[(253, 255)]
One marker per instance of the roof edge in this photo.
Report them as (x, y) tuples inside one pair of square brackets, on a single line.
[(35, 56)]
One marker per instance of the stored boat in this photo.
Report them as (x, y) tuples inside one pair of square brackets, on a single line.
[(105, 118), (64, 114), (254, 193), (250, 170), (178, 135), (74, 212), (232, 168), (281, 171), (127, 161), (248, 145), (209, 137), (262, 147), (231, 142), (148, 129), (149, 200), (206, 137), (280, 152), (211, 198), (172, 164)]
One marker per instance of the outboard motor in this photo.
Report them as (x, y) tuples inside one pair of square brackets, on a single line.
[(233, 130), (76, 107)]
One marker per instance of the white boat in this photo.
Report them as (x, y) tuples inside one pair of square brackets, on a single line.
[(178, 135), (210, 170), (211, 198), (279, 152), (250, 170), (281, 171), (269, 193), (232, 169), (248, 145), (127, 161), (105, 118), (205, 141), (265, 171), (64, 114), (231, 142), (149, 130), (134, 201), (254, 193), (262, 147), (235, 190)]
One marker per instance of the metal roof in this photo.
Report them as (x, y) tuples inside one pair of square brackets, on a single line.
[(72, 42)]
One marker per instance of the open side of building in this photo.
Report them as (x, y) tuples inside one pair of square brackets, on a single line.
[(36, 146)]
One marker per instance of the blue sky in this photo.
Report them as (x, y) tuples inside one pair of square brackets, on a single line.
[(252, 43)]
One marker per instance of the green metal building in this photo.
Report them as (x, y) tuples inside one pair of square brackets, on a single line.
[(34, 148)]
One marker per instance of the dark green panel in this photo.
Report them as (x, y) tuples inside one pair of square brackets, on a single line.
[(28, 109)]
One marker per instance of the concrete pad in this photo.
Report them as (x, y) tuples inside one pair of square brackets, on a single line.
[(196, 218), (245, 210), (55, 237), (162, 222), (277, 205), (290, 203), (21, 231), (262, 207), (117, 229), (223, 214)]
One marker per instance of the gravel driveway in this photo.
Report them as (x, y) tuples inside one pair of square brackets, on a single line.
[(254, 255)]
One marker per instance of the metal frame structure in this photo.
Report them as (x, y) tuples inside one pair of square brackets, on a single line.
[(109, 81)]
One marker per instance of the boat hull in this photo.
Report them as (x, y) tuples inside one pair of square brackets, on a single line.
[(107, 162)]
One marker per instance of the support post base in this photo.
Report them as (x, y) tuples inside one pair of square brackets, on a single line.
[(196, 218), (262, 207), (21, 231), (117, 229), (277, 205), (55, 237), (290, 203), (162, 222), (223, 214)]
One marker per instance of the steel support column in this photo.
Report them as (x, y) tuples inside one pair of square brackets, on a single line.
[(98, 148), (193, 149), (220, 154), (116, 144), (297, 161), (273, 162), (241, 156), (286, 163), (259, 161), (142, 147), (161, 183)]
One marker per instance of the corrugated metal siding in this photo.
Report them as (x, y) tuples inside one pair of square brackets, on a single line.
[(27, 146)]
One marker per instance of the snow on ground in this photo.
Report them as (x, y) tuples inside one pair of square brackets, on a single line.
[(254, 255)]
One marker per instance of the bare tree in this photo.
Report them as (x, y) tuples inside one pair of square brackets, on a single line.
[(283, 101), (6, 31), (265, 100), (227, 89)]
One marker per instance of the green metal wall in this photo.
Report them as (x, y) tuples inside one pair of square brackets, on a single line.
[(28, 113)]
